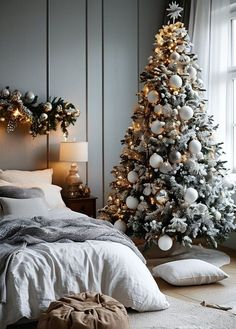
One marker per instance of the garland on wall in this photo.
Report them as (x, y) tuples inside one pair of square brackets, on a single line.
[(16, 109)]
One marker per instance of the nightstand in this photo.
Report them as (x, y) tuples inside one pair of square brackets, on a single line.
[(86, 206)]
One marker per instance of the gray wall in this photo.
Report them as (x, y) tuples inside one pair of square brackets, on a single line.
[(96, 50)]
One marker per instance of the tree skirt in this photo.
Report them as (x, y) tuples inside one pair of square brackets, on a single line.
[(183, 315), (155, 257)]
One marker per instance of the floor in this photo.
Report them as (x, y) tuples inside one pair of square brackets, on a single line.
[(221, 293)]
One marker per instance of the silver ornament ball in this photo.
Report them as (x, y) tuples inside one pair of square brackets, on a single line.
[(175, 156)]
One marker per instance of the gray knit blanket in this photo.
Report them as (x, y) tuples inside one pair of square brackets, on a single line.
[(14, 233), (41, 229)]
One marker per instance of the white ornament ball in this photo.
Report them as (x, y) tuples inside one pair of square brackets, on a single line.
[(155, 160), (194, 146), (217, 215), (29, 96), (190, 195), (175, 56), (186, 112), (5, 92), (43, 117), (158, 109), (120, 225), (165, 242), (147, 191), (192, 72), (153, 97), (132, 202), (157, 127), (47, 107), (175, 81), (181, 48), (132, 177)]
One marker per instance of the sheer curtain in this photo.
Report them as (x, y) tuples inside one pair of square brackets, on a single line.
[(209, 29)]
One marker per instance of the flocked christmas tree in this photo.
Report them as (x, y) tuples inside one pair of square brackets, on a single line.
[(170, 183)]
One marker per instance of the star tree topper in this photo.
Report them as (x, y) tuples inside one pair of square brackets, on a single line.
[(174, 11)]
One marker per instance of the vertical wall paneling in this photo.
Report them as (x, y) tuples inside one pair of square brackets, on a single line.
[(68, 72), (89, 52), (151, 17), (94, 90), (22, 66), (120, 77)]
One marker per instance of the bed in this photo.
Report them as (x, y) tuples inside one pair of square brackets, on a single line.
[(48, 251)]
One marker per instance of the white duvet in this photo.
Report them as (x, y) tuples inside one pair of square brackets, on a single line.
[(45, 272)]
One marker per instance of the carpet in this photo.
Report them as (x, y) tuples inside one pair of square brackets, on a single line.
[(212, 256), (180, 315), (183, 315)]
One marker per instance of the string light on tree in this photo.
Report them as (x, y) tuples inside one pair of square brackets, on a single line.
[(172, 185)]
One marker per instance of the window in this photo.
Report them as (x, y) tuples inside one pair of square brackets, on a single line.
[(231, 113)]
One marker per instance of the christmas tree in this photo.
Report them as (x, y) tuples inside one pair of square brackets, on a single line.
[(170, 183)]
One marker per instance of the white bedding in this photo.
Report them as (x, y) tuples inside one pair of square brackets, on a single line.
[(47, 271)]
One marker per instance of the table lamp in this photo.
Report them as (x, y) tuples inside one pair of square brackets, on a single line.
[(74, 152)]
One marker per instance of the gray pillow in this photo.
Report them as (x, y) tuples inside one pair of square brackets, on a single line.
[(16, 192)]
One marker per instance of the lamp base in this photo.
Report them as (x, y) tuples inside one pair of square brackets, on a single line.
[(77, 191), (75, 187)]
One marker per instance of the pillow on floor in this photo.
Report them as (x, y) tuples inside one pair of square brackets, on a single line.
[(188, 272)]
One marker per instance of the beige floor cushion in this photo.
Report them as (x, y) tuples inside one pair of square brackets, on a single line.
[(85, 311)]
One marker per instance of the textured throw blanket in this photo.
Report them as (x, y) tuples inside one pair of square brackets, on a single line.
[(17, 233)]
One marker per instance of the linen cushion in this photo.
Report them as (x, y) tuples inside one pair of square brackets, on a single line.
[(23, 207), (187, 272), (85, 310), (27, 177)]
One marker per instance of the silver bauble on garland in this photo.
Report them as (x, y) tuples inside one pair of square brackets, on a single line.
[(29, 96)]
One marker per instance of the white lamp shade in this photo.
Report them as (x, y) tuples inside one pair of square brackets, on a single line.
[(74, 151)]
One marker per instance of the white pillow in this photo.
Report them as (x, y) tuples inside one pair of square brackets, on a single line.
[(52, 195), (24, 207), (4, 183), (188, 272), (51, 192), (27, 177)]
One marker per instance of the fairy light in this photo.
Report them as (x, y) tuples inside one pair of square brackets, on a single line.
[(16, 113)]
